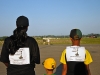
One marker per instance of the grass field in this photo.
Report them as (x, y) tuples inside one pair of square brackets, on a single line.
[(67, 41)]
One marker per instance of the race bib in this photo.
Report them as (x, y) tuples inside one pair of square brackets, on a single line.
[(21, 57), (75, 53)]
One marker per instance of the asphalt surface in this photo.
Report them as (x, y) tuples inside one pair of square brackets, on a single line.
[(55, 51)]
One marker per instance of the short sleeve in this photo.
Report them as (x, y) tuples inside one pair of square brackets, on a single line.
[(88, 59), (62, 59)]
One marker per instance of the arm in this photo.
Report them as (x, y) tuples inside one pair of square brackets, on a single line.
[(6, 64), (88, 69), (88, 60), (63, 61), (38, 56), (64, 70), (36, 53), (5, 53)]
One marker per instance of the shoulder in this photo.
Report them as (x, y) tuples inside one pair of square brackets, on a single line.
[(8, 39), (64, 51), (87, 52), (62, 59), (88, 59), (30, 39)]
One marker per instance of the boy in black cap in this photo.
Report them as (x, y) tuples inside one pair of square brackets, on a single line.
[(20, 52), (75, 59)]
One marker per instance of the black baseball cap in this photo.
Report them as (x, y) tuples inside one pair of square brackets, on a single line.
[(22, 21), (76, 34)]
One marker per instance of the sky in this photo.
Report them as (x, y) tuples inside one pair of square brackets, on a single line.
[(51, 17)]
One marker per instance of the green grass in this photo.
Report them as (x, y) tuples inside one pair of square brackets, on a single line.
[(1, 42), (67, 41), (90, 41)]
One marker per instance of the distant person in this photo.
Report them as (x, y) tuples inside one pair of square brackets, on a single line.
[(20, 52), (75, 59), (48, 41), (49, 65), (44, 41)]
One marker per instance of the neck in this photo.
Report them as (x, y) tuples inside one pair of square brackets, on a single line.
[(49, 72), (76, 43)]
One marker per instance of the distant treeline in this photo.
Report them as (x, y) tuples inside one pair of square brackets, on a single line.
[(56, 36)]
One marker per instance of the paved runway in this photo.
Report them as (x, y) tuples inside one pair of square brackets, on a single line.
[(55, 52)]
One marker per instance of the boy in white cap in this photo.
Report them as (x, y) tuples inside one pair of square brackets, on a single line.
[(49, 65)]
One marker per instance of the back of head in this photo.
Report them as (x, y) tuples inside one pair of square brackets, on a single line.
[(49, 64), (75, 34), (19, 34), (22, 21)]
